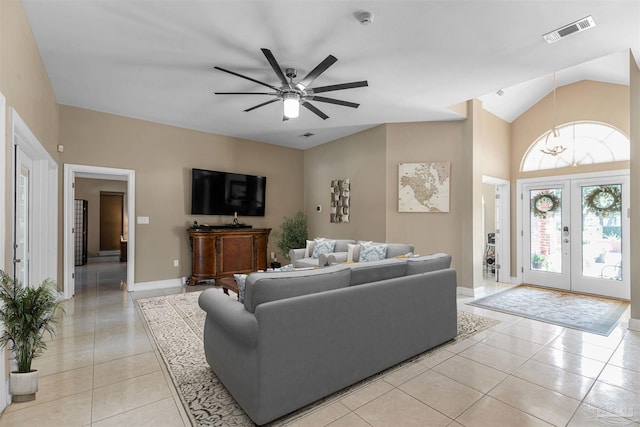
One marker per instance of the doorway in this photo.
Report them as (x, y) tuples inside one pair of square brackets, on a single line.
[(575, 233), (496, 229), (111, 221), (71, 172)]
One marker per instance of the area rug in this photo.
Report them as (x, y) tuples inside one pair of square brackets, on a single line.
[(177, 325), (587, 313)]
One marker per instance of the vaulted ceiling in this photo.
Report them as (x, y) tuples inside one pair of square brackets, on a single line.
[(154, 60)]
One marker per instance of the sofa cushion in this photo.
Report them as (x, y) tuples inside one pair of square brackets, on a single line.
[(372, 252), (323, 246), (365, 272), (398, 249), (266, 287), (306, 262), (423, 264), (342, 245)]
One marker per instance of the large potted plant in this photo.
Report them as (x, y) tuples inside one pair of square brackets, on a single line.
[(292, 233), (26, 313)]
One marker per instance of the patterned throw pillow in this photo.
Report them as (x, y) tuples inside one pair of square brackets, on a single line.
[(240, 280), (323, 246), (372, 252)]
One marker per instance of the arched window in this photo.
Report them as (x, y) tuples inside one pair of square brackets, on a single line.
[(586, 143)]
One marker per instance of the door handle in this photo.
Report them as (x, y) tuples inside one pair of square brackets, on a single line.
[(17, 261)]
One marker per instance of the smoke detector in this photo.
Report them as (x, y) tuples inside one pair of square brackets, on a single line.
[(364, 17), (574, 27)]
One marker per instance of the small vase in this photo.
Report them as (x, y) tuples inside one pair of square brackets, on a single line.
[(23, 386)]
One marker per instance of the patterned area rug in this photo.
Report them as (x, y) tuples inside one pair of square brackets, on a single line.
[(177, 325), (583, 312)]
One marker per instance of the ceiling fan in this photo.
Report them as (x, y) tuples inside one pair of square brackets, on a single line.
[(295, 93)]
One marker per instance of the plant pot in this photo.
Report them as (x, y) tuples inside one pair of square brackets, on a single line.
[(23, 386)]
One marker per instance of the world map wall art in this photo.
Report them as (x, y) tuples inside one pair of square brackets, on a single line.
[(423, 187)]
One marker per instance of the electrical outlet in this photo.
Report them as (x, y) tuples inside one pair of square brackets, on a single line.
[(176, 263)]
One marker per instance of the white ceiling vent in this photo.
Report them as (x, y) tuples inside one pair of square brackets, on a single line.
[(574, 27)]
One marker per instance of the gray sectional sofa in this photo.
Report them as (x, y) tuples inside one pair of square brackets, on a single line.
[(302, 335), (339, 254)]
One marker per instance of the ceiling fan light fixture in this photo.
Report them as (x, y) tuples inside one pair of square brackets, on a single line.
[(291, 105)]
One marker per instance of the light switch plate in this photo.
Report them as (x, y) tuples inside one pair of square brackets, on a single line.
[(143, 220)]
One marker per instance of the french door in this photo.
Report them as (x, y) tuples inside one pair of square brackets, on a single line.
[(576, 235)]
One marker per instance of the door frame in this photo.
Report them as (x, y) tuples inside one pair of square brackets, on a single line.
[(503, 242), (520, 208), (4, 389), (73, 171)]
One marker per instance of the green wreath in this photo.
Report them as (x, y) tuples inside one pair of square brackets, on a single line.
[(603, 200), (543, 203)]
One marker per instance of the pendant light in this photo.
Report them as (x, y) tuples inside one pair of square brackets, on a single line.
[(553, 142)]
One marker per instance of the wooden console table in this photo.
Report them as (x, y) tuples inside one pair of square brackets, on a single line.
[(224, 252)]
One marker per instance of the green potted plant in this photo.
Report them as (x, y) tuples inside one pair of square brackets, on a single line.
[(537, 260), (292, 233), (26, 314)]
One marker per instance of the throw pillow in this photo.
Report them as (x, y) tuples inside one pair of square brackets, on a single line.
[(353, 252), (372, 252), (240, 280), (323, 246), (308, 250)]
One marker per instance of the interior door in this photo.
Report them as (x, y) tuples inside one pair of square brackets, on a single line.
[(576, 235), (22, 227)]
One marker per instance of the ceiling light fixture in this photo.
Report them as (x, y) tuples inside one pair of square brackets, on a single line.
[(291, 101), (553, 142)]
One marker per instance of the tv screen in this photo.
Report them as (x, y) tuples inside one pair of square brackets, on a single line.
[(224, 193)]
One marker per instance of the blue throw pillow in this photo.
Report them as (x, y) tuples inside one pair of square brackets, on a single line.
[(372, 252), (241, 281), (323, 247)]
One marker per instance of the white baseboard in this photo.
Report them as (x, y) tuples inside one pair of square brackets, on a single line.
[(469, 292), (634, 324), (159, 284)]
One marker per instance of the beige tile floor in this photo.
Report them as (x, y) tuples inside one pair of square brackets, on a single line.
[(102, 369)]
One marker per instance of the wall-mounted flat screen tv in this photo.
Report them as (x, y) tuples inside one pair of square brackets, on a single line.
[(224, 193)]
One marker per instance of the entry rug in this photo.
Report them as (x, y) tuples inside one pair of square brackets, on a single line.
[(576, 311), (177, 325)]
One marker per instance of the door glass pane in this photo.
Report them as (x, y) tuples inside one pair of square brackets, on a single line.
[(22, 238), (602, 231), (546, 225)]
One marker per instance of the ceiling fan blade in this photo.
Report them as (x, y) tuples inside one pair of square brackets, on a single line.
[(276, 67), (247, 78), (334, 101), (341, 86), (261, 105), (315, 110), (246, 93), (313, 74)]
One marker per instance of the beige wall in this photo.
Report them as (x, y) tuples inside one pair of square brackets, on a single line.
[(361, 158), (162, 157), (426, 142), (25, 84), (89, 190), (496, 146)]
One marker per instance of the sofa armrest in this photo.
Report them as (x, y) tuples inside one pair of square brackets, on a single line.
[(337, 258), (295, 254), (230, 316)]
